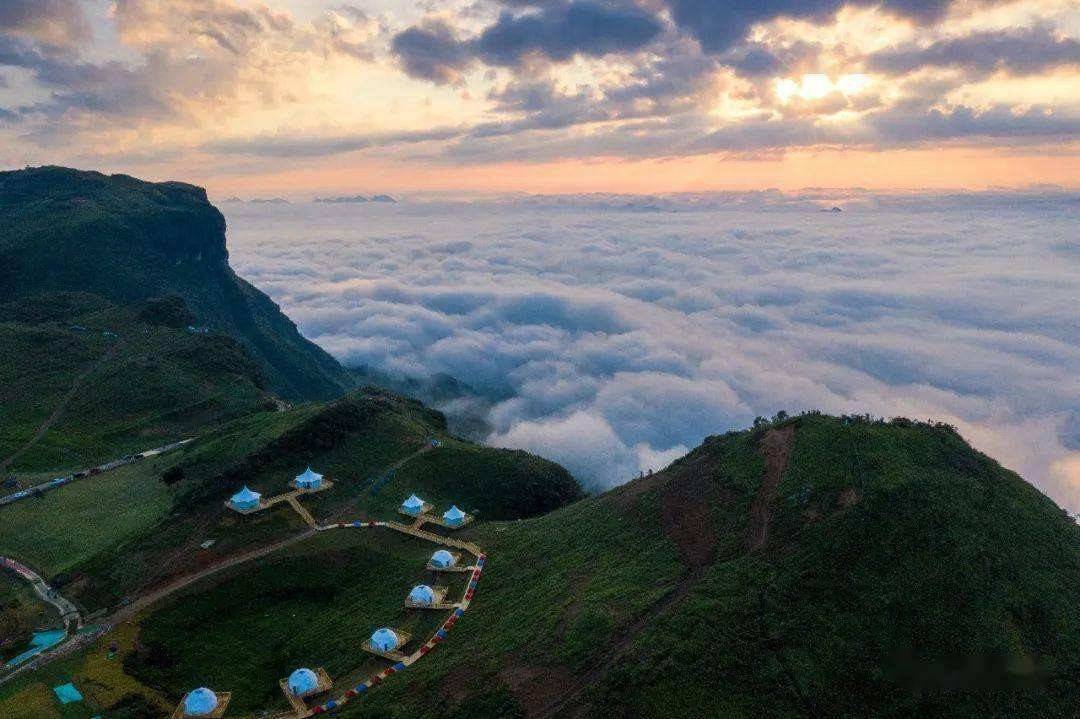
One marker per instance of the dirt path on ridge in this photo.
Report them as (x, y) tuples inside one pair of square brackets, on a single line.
[(776, 447), (64, 401)]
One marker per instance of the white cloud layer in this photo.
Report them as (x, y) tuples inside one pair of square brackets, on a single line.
[(614, 334)]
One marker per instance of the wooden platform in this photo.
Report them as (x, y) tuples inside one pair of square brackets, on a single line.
[(297, 702), (222, 704), (442, 522), (455, 567), (395, 656), (423, 511), (438, 601), (263, 504), (324, 485)]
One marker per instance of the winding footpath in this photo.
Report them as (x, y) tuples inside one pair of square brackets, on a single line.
[(90, 472), (127, 612)]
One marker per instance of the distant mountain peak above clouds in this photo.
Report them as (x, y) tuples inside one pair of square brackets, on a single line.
[(354, 199)]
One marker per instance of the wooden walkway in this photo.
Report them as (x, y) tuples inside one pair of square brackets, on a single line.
[(401, 660)]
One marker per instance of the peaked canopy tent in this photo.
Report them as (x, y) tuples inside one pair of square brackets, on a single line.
[(245, 499), (454, 517), (413, 505), (308, 479)]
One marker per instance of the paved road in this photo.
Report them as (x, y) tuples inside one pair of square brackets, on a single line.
[(68, 611), (89, 472)]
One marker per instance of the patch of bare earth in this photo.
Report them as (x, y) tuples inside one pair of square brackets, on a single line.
[(688, 495), (775, 446), (534, 686)]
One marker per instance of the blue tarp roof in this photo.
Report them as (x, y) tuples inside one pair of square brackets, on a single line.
[(67, 693), (246, 495), (308, 476)]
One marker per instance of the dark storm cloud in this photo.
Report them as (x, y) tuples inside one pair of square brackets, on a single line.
[(556, 31), (1025, 51), (52, 21), (432, 52), (720, 24), (560, 32)]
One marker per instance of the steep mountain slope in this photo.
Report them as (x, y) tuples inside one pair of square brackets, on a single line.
[(821, 568), (375, 447), (128, 240), (85, 380)]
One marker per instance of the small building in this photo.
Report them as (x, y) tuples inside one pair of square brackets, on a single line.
[(203, 704), (308, 480), (414, 506), (245, 500), (454, 517), (442, 559)]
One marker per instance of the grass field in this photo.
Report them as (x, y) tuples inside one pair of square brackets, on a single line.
[(314, 605), (64, 527)]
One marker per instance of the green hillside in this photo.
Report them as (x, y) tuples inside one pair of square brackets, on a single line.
[(818, 567), (173, 503), (127, 240), (900, 573), (86, 381)]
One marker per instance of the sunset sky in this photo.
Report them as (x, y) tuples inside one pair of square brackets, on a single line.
[(298, 97)]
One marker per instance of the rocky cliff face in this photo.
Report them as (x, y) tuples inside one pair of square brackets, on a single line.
[(130, 240)]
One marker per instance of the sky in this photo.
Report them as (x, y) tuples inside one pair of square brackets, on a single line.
[(303, 97), (614, 333)]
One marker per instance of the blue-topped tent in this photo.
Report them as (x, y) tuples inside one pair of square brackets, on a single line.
[(454, 516), (413, 505), (422, 594), (384, 640), (303, 682), (442, 559), (200, 702), (246, 499), (308, 479)]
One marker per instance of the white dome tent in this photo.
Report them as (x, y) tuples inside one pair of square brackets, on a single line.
[(203, 702), (443, 559), (385, 640), (303, 682), (422, 594)]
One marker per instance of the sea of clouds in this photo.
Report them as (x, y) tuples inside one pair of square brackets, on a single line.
[(612, 334)]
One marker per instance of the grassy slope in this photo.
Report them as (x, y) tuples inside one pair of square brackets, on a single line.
[(904, 575), (147, 386), (129, 241), (109, 553)]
